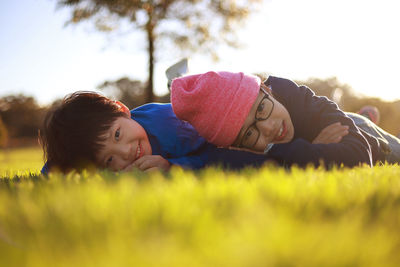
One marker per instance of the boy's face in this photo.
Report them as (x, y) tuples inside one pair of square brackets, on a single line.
[(273, 124), (125, 142)]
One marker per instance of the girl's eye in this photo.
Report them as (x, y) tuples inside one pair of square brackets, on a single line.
[(248, 134), (260, 107), (117, 134)]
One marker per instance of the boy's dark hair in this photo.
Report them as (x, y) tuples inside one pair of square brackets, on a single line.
[(73, 131)]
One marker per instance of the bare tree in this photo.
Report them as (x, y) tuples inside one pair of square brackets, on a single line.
[(190, 24)]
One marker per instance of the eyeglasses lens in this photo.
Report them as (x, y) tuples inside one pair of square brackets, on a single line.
[(263, 112)]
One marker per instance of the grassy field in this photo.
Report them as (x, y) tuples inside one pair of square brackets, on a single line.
[(20, 161), (264, 217)]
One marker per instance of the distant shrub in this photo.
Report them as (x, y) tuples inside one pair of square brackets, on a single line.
[(3, 134)]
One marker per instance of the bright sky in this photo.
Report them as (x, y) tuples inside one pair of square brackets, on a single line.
[(357, 41)]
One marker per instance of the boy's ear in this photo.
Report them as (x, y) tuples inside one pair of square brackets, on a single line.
[(123, 108)]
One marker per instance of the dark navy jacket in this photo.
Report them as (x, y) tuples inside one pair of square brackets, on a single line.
[(180, 144), (310, 114)]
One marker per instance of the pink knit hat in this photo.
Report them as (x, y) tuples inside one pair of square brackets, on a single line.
[(215, 103)]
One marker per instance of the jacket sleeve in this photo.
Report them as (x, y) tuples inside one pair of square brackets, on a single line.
[(310, 114)]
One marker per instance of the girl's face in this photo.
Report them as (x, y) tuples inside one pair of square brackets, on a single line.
[(126, 141), (268, 122)]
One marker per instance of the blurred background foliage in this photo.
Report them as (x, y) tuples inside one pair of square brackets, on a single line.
[(21, 118), (3, 134)]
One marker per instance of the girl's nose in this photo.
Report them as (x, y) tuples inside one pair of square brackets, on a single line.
[(265, 127)]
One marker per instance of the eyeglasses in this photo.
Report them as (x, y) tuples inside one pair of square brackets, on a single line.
[(263, 112)]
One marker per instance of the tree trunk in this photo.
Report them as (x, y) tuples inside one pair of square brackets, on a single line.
[(150, 40)]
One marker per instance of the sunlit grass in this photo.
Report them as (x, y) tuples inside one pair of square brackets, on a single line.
[(265, 217), (20, 161)]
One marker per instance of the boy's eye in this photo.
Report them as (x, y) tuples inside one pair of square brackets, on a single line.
[(109, 160), (117, 134)]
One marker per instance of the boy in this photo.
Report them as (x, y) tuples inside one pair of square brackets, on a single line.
[(238, 111), (88, 129)]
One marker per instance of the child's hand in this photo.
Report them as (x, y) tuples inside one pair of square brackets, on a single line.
[(150, 163), (332, 134)]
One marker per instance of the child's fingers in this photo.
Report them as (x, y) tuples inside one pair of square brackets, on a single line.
[(334, 130), (141, 163), (149, 161), (331, 126), (152, 169), (146, 165), (338, 139), (143, 160), (341, 133), (332, 133), (129, 167)]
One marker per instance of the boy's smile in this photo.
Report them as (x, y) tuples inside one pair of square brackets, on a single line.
[(125, 142)]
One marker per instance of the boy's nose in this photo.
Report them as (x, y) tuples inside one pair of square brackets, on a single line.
[(125, 151)]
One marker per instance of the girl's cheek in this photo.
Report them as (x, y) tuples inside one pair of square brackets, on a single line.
[(261, 144)]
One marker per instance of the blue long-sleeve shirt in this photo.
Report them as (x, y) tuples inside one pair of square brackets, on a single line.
[(179, 143)]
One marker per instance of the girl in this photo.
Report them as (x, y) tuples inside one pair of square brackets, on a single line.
[(287, 122)]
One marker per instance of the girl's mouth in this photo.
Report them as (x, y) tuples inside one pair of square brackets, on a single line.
[(282, 132)]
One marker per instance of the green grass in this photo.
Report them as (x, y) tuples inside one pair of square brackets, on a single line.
[(20, 161), (265, 217)]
